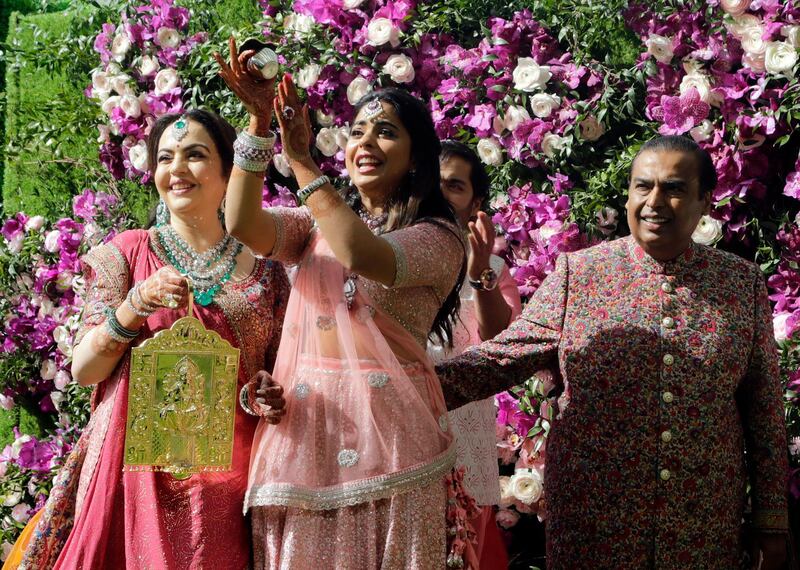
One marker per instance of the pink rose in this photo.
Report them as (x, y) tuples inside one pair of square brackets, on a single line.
[(507, 518)]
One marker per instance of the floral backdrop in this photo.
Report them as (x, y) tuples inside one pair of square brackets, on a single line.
[(555, 121)]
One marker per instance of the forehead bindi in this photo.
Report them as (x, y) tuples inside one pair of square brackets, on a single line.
[(195, 135), (386, 115)]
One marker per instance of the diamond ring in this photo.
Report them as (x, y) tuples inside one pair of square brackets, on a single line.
[(288, 113), (170, 301)]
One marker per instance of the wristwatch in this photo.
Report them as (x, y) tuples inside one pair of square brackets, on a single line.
[(486, 282)]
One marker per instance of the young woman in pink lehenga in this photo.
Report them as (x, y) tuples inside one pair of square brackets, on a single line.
[(99, 514), (353, 477)]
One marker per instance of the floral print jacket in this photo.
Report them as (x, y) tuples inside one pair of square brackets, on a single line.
[(669, 371)]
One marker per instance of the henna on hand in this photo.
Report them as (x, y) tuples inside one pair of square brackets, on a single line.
[(256, 94), (296, 127)]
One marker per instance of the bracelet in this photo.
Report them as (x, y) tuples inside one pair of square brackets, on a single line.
[(116, 330), (312, 187), (243, 401), (137, 298), (253, 153), (143, 313)]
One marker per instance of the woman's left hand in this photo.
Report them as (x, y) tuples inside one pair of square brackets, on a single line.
[(265, 397), (481, 241), (294, 122)]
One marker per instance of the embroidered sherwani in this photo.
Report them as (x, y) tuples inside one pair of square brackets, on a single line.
[(670, 370)]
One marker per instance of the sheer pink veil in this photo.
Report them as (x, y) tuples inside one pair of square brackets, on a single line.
[(365, 413)]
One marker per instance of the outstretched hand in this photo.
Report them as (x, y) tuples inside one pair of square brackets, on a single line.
[(481, 241), (294, 122), (255, 93)]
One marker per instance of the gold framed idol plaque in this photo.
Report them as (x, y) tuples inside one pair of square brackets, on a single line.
[(182, 401)]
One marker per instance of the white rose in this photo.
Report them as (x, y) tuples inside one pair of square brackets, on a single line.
[(357, 89), (15, 244), (544, 104), (591, 128), (130, 106), (351, 4), (20, 513), (381, 31), (57, 397), (35, 223), (702, 132), (326, 141), (137, 155), (342, 136), (166, 79), (528, 75), (100, 81), (168, 37), (779, 58), (13, 498), (756, 62), (103, 133), (121, 84), (745, 22), (506, 498), (282, 165), (308, 75), (792, 35), (752, 41), (660, 47), (779, 326), (51, 241), (148, 65), (526, 485), (515, 116), (62, 379), (120, 46), (552, 144), (490, 152), (62, 337), (300, 24), (400, 68), (6, 402), (735, 7), (708, 231), (700, 82), (324, 119), (48, 369)]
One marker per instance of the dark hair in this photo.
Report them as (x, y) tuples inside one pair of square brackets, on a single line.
[(477, 172), (220, 131), (419, 196), (707, 174)]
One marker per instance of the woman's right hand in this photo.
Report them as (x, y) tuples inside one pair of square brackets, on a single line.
[(256, 94), (165, 288)]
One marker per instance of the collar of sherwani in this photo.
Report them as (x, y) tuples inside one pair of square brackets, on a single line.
[(685, 262)]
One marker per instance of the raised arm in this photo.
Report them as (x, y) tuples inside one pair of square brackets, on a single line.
[(351, 241), (245, 219), (529, 345)]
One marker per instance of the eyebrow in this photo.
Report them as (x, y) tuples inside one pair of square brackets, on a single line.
[(376, 123), (188, 148), (454, 179)]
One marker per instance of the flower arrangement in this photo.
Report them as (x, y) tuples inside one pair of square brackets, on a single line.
[(137, 80), (40, 306)]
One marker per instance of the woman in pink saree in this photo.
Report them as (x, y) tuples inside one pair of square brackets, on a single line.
[(353, 477), (101, 515)]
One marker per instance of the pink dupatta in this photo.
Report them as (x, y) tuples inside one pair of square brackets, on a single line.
[(362, 423)]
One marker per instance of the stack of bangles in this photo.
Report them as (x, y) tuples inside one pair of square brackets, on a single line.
[(252, 153), (115, 329), (244, 400), (137, 305)]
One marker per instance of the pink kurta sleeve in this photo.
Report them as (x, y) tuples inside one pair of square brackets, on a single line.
[(427, 254), (105, 273), (529, 345), (292, 229), (761, 406)]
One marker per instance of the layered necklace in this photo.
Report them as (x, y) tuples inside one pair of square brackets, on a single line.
[(209, 270), (374, 223)]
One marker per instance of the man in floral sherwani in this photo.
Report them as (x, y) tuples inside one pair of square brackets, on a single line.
[(665, 351)]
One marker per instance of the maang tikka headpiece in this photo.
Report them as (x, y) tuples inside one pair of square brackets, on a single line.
[(180, 128), (373, 109)]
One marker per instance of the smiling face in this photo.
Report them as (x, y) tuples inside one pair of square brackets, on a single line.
[(189, 175), (378, 152), (664, 203), (457, 188)]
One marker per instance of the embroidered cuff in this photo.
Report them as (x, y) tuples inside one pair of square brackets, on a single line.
[(401, 263)]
